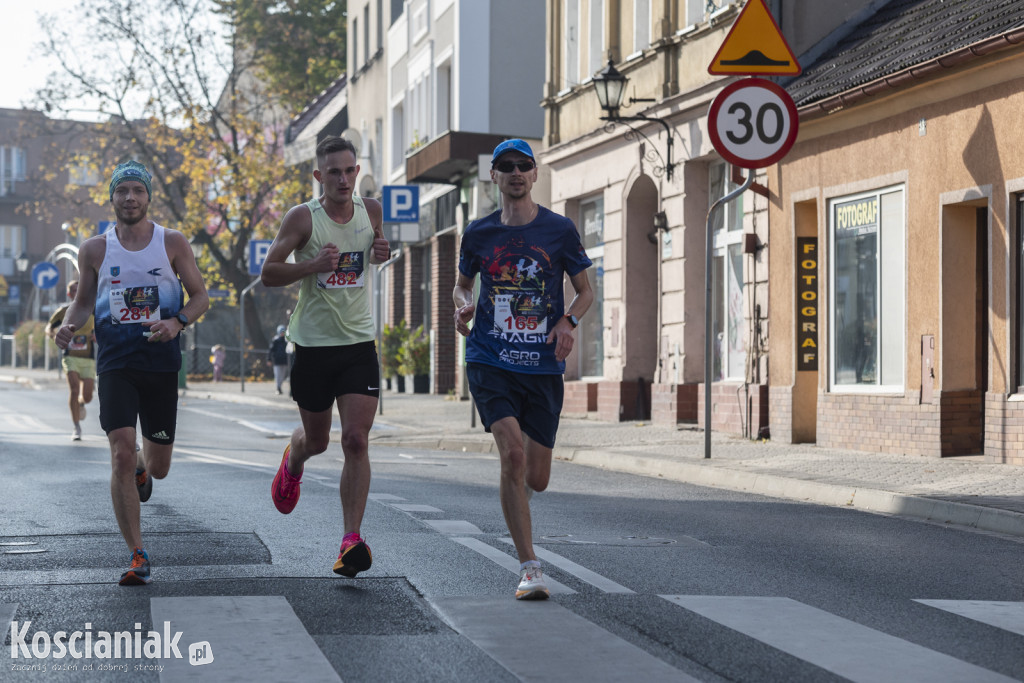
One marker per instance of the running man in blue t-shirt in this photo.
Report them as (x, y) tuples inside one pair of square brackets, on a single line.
[(515, 353)]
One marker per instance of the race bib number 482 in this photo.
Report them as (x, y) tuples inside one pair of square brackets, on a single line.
[(130, 305), (348, 274)]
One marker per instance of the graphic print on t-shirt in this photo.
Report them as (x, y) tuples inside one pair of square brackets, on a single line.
[(349, 272), (518, 289)]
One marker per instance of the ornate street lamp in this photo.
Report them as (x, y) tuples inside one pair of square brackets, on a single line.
[(610, 86), (21, 263)]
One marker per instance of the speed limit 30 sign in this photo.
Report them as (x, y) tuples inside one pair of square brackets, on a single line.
[(752, 123)]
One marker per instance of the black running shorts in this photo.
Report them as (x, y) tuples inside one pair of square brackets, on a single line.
[(323, 373), (534, 400), (149, 397)]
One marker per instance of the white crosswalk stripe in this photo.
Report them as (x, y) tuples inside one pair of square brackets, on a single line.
[(579, 571), (550, 643), (1008, 616), (247, 636), (833, 643), (507, 561)]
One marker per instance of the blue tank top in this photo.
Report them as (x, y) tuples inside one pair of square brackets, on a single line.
[(134, 287)]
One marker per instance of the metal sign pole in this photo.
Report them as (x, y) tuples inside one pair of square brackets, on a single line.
[(241, 332), (709, 298)]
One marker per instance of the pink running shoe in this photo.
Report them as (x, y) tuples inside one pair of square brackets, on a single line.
[(354, 557), (285, 489)]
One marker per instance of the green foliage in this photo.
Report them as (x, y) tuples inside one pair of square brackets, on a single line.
[(414, 354), (36, 329), (392, 338), (179, 95), (299, 45)]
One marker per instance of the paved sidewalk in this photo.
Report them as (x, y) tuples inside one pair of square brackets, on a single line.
[(961, 491)]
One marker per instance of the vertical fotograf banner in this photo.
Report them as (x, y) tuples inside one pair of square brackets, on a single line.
[(807, 303)]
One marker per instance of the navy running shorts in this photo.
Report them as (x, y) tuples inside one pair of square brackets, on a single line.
[(323, 373), (143, 395), (534, 400)]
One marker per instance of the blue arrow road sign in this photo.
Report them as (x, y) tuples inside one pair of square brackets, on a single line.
[(257, 255), (45, 275), (401, 203)]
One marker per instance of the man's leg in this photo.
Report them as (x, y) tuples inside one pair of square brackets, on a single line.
[(523, 461), (88, 385), (74, 390), (312, 438), (357, 412)]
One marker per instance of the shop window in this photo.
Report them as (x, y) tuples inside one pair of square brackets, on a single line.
[(867, 259), (591, 331), (729, 325)]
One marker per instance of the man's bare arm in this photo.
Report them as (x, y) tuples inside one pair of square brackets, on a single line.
[(295, 231)]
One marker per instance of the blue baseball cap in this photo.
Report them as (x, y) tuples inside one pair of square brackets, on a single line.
[(513, 145)]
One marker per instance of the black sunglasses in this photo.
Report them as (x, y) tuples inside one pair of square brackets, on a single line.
[(509, 166)]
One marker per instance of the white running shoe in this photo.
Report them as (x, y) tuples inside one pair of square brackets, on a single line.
[(531, 585), (76, 434)]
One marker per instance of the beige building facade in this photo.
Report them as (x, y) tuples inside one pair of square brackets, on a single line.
[(896, 232)]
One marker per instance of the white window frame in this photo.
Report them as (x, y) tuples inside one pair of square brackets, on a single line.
[(727, 239), (596, 254), (895, 289), (596, 38), (641, 25), (571, 45)]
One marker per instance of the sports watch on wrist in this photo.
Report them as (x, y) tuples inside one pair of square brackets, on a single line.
[(183, 319), (573, 320)]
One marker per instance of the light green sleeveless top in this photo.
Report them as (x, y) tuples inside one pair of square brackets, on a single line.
[(334, 308)]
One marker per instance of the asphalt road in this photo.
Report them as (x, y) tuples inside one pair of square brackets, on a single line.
[(652, 580)]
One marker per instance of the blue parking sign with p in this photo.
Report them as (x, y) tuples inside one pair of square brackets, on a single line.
[(257, 255), (401, 203)]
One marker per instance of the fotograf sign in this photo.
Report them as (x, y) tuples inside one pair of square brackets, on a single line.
[(401, 203)]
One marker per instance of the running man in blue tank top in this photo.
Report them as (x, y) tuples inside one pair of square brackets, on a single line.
[(131, 278), (515, 354)]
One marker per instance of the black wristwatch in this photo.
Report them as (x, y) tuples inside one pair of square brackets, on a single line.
[(183, 319), (573, 320)]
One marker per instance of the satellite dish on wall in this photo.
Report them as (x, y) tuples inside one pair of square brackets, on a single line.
[(353, 136), (367, 186)]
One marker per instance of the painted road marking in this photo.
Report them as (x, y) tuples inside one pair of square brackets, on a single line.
[(833, 643), (7, 612), (249, 638), (16, 423), (452, 526), (507, 561), (383, 497), (414, 507), (1008, 616), (579, 571), (547, 642)]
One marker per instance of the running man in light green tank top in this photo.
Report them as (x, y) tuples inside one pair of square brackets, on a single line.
[(335, 238)]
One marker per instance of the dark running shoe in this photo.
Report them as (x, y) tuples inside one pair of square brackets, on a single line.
[(354, 557), (138, 573), (144, 483)]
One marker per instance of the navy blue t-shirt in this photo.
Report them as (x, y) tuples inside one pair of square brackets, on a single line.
[(521, 271)]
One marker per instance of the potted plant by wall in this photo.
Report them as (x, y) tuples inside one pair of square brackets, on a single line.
[(392, 338), (414, 360)]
